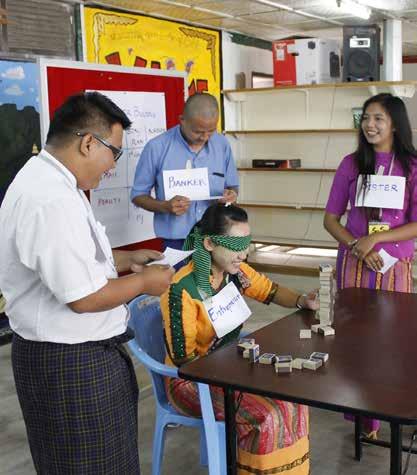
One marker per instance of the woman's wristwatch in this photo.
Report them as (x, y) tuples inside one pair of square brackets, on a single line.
[(298, 303)]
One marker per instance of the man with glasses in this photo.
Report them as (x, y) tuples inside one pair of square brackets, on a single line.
[(194, 143), (75, 382), (117, 152)]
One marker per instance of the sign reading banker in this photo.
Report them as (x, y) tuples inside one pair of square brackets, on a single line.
[(192, 183)]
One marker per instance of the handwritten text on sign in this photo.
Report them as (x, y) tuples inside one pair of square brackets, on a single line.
[(192, 183), (125, 223), (381, 192), (227, 310)]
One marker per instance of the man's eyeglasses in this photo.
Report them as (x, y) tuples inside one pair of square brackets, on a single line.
[(117, 152)]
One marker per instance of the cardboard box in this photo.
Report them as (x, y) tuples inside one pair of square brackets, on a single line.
[(306, 61)]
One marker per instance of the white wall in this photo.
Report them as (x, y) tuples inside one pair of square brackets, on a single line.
[(410, 73), (237, 59)]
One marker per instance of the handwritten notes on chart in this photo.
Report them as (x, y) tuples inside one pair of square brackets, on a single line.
[(125, 223)]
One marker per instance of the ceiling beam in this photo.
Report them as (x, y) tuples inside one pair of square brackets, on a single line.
[(280, 6)]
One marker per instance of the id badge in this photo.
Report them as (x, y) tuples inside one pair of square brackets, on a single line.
[(377, 227)]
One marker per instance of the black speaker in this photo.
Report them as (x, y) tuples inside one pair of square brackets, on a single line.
[(361, 52), (334, 65)]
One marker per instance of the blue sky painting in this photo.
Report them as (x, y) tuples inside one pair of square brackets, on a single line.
[(19, 84)]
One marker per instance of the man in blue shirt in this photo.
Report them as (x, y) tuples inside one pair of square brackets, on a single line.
[(192, 144)]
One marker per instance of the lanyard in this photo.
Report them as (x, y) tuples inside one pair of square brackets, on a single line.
[(204, 295), (391, 166)]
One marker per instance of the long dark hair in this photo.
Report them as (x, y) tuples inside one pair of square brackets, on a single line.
[(218, 219), (402, 142)]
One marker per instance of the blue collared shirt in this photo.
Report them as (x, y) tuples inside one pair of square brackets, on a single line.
[(170, 151)]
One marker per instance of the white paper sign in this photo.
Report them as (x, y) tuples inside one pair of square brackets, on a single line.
[(381, 192), (227, 310), (389, 260), (172, 257), (125, 223), (192, 183)]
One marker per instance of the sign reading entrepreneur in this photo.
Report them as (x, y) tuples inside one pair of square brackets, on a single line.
[(227, 310)]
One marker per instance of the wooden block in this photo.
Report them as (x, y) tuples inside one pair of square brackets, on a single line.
[(283, 367), (298, 363), (241, 347), (305, 334), (312, 364), (254, 353), (267, 358), (318, 355), (326, 300), (327, 330), (315, 327), (250, 341), (326, 268), (326, 313), (323, 291)]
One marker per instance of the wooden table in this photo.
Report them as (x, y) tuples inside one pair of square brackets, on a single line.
[(371, 370)]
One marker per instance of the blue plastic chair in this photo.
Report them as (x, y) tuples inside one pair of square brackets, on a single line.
[(149, 348)]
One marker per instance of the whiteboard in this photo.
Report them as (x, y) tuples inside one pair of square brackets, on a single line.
[(124, 222)]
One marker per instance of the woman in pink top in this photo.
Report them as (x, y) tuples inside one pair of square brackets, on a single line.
[(385, 147)]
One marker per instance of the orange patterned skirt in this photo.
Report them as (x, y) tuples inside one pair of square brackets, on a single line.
[(272, 434)]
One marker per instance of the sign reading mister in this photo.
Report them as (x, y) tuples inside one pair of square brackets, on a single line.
[(381, 192)]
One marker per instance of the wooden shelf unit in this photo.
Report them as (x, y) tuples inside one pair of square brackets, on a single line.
[(380, 86), (292, 131), (295, 207), (293, 242), (296, 170), (313, 123)]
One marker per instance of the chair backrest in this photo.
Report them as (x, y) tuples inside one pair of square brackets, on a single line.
[(146, 322)]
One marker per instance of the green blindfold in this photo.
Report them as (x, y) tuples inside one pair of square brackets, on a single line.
[(202, 258)]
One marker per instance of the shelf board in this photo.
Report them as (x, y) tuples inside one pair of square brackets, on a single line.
[(292, 131), (299, 170), (284, 269), (336, 85), (280, 206), (294, 242)]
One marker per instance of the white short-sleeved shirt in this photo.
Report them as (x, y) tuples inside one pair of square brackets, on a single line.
[(53, 252)]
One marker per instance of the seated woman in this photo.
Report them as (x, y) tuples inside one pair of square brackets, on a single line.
[(272, 434)]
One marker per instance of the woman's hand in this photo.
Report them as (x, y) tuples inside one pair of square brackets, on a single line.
[(364, 246), (374, 261), (310, 301)]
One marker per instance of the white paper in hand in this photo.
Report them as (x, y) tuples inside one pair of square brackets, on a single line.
[(172, 257), (389, 260)]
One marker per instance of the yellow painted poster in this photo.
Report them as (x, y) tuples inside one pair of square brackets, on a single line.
[(134, 40)]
